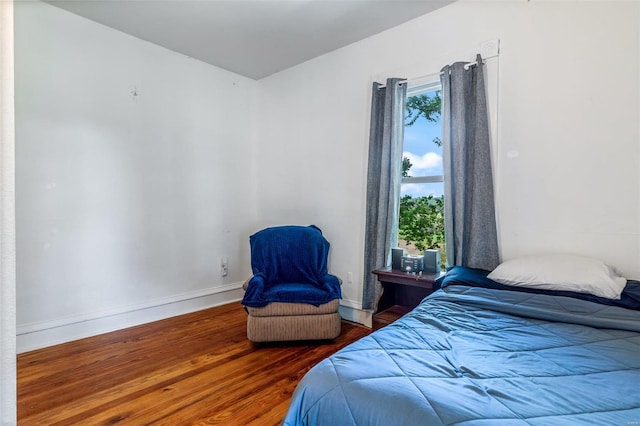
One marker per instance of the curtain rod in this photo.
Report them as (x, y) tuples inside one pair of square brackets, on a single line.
[(474, 63), (466, 67)]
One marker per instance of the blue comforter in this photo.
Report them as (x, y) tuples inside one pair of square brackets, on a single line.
[(481, 356)]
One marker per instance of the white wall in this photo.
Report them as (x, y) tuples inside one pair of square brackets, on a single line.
[(125, 203), (566, 151), (7, 221)]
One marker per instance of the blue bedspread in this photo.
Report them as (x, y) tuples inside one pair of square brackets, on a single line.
[(482, 356)]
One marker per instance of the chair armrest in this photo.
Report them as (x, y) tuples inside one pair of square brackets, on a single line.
[(332, 284), (246, 283), (254, 288)]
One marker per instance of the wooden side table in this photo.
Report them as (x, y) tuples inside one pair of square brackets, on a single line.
[(401, 292)]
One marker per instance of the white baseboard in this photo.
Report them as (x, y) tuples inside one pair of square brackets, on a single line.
[(48, 333), (352, 311), (42, 334)]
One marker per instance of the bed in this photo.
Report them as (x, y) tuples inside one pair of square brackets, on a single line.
[(477, 352)]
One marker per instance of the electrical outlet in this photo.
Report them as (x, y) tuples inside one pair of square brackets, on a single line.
[(224, 266)]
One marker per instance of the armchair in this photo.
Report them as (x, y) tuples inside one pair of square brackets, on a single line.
[(291, 295)]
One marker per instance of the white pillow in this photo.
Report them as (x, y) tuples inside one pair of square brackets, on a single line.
[(561, 272)]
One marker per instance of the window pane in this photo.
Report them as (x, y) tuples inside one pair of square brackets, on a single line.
[(421, 222), (422, 135), (422, 189)]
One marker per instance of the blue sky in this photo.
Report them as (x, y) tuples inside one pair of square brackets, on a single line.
[(425, 156)]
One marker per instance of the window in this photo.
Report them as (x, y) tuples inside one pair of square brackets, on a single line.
[(421, 221)]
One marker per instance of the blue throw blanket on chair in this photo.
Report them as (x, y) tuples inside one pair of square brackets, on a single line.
[(289, 264)]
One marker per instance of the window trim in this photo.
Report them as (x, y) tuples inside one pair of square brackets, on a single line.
[(423, 179)]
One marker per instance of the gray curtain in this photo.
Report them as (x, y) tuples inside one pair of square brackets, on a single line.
[(470, 224), (383, 182)]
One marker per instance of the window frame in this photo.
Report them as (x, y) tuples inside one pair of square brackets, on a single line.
[(423, 86), (415, 89)]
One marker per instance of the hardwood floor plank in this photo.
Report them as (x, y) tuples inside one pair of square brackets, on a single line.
[(192, 369)]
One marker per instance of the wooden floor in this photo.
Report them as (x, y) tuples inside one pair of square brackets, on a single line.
[(193, 369)]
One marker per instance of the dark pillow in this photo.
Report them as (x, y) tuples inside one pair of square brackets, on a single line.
[(459, 275)]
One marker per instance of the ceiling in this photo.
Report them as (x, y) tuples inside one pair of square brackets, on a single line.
[(254, 38)]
